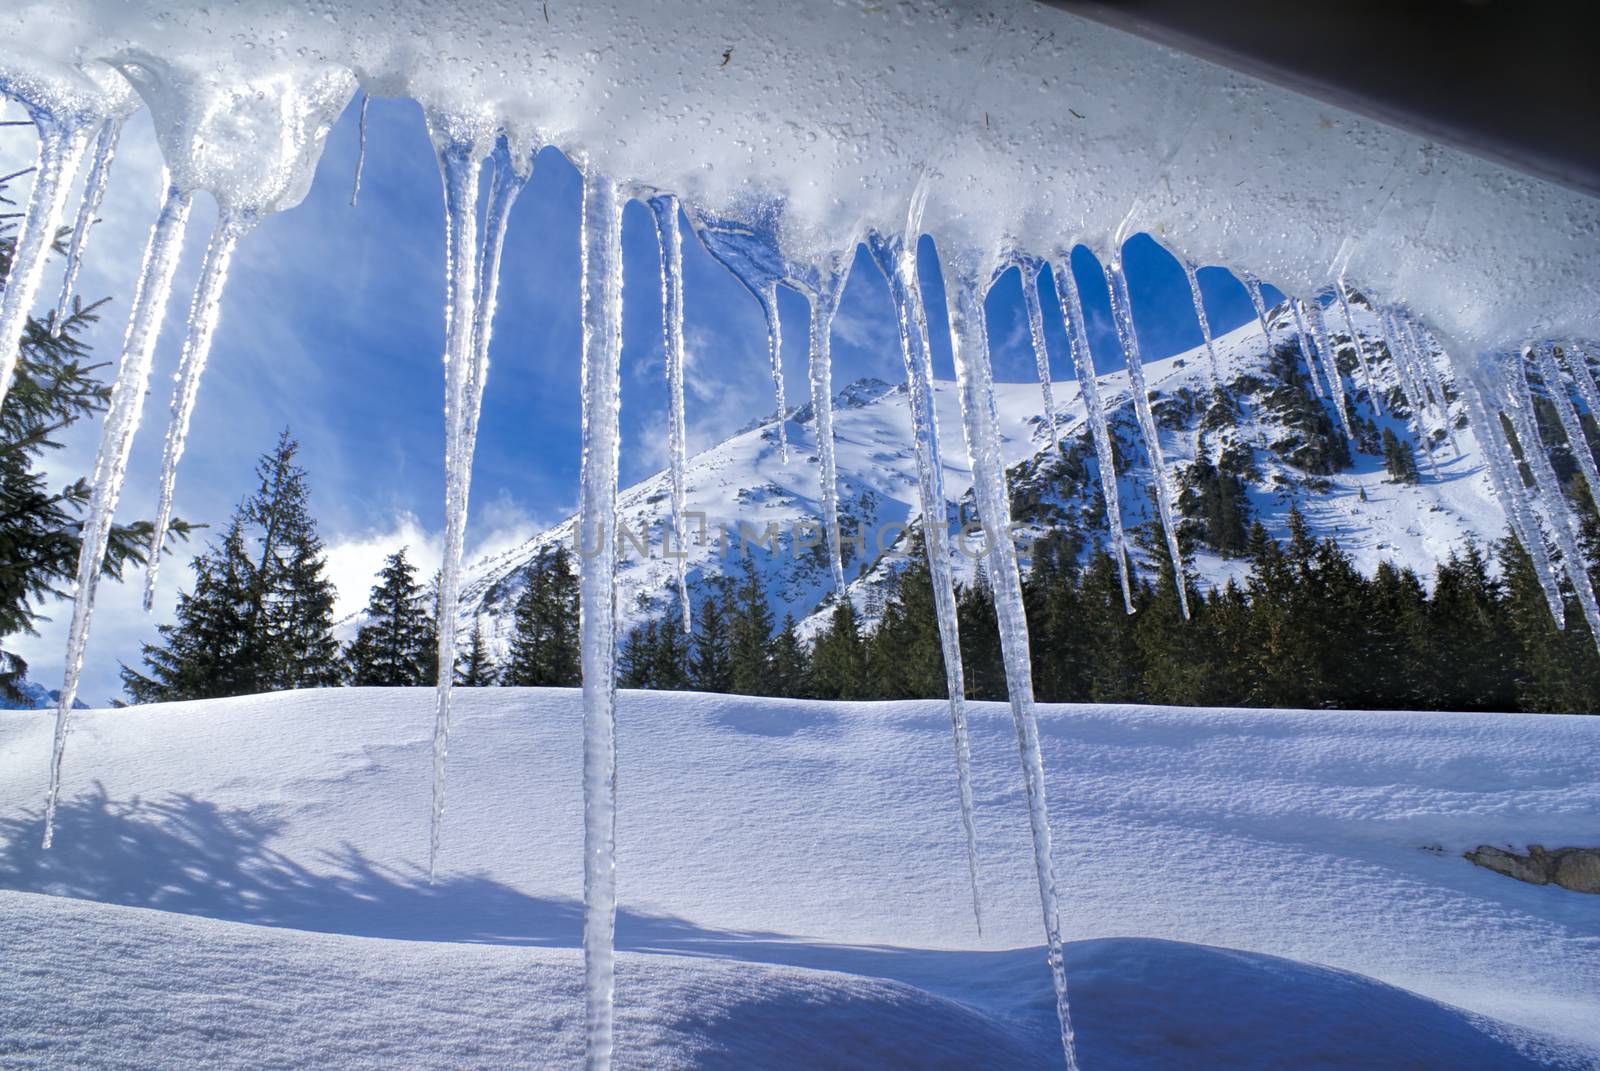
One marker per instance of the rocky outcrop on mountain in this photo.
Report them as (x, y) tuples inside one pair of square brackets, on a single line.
[(1576, 869)]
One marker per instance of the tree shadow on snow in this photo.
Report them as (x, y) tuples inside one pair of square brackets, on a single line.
[(185, 854)]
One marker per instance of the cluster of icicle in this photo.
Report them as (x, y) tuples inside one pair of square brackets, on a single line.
[(474, 152)]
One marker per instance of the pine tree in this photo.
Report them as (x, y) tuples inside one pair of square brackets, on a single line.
[(290, 619), (838, 658), (669, 663), (544, 639), (1057, 621), (1113, 665), (711, 664), (636, 659), (202, 651), (398, 644), (258, 620), (1470, 648), (791, 664), (1559, 669), (1176, 654), (750, 635), (904, 655), (1389, 671), (53, 387), (477, 668), (1397, 459)]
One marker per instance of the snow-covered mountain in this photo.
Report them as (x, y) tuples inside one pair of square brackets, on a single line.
[(1266, 424)]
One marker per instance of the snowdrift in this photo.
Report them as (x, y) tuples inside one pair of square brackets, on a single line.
[(1242, 888)]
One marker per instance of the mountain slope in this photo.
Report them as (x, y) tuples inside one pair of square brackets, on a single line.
[(1269, 426)]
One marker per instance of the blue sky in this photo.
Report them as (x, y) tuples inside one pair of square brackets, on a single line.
[(333, 326)]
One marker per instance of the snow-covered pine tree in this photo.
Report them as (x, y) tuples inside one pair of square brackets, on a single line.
[(396, 647)]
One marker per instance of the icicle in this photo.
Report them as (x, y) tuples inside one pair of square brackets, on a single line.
[(150, 296), (1089, 388), (361, 152), (1571, 423), (769, 308), (1411, 386), (459, 165), (896, 259), (670, 240), (1422, 358), (1252, 287), (1563, 522), (1307, 350), (1122, 314), (597, 519), (1330, 363), (974, 379), (61, 148), (1361, 350), (1512, 494), (1031, 271), (510, 176), (204, 311), (1192, 272), (1583, 378), (824, 304), (94, 192)]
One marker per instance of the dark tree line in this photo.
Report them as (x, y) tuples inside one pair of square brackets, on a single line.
[(1305, 628)]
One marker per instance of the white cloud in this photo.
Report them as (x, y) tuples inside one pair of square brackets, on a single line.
[(354, 558)]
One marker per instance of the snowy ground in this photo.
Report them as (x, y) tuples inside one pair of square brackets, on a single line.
[(1243, 889)]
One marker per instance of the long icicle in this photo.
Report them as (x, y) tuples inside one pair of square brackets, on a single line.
[(899, 268), (769, 309), (1089, 389), (1330, 365), (1411, 385), (1563, 521), (1408, 376), (824, 304), (361, 152), (1361, 350), (597, 520), (1199, 300), (94, 192), (204, 311), (1308, 350), (150, 296), (1509, 488), (1031, 271), (61, 148), (975, 386), (510, 176), (1583, 378), (1122, 314), (1258, 301), (670, 241), (1414, 340), (460, 163)]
